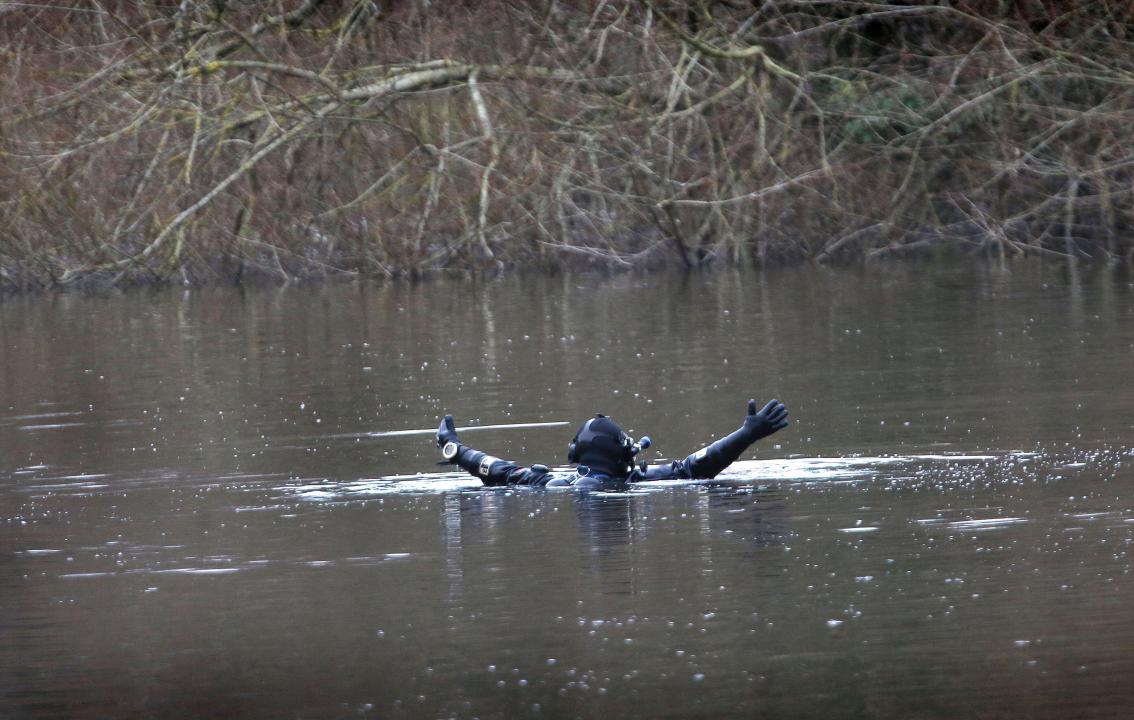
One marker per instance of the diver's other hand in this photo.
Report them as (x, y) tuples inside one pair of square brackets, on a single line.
[(770, 419), (447, 432)]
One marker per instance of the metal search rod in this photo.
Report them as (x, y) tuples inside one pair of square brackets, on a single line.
[(467, 428)]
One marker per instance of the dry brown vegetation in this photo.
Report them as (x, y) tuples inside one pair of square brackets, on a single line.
[(205, 141)]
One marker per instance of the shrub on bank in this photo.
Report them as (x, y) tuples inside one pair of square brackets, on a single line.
[(201, 142)]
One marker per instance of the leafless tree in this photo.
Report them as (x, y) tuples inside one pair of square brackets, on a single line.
[(204, 141)]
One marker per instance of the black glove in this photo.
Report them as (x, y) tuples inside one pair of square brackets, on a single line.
[(447, 432), (709, 461), (771, 418)]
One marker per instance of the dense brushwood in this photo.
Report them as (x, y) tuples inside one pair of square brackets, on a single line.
[(205, 142)]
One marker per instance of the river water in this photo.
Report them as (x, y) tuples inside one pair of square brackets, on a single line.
[(194, 523)]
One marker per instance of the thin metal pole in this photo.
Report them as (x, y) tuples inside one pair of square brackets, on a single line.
[(468, 428)]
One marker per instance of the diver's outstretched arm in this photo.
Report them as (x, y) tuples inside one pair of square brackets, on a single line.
[(491, 470), (708, 461)]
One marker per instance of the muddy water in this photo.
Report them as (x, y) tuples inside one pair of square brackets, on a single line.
[(194, 523)]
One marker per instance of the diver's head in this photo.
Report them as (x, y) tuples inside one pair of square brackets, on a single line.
[(603, 447)]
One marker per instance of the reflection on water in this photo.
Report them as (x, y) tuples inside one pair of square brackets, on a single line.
[(194, 523)]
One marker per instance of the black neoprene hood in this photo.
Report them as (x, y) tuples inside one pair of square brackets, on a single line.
[(601, 445)]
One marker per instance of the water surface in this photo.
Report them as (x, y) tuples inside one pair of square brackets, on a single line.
[(193, 521)]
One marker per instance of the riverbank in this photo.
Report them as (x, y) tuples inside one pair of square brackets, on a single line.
[(942, 251), (954, 270), (205, 144)]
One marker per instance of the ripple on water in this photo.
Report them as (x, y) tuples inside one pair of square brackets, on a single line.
[(975, 525), (798, 471)]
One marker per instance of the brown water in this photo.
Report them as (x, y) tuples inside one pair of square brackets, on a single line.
[(193, 524)]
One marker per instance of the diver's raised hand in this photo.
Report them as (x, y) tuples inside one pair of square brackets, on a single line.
[(447, 431), (770, 419), (708, 461)]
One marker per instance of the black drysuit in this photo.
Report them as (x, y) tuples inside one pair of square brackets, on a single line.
[(705, 463)]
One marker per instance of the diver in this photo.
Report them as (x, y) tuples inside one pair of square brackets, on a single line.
[(604, 454)]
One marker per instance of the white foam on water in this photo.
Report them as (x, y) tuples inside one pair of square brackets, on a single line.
[(56, 426), (954, 458), (987, 524), (974, 525), (423, 484), (804, 470), (318, 495), (195, 571)]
